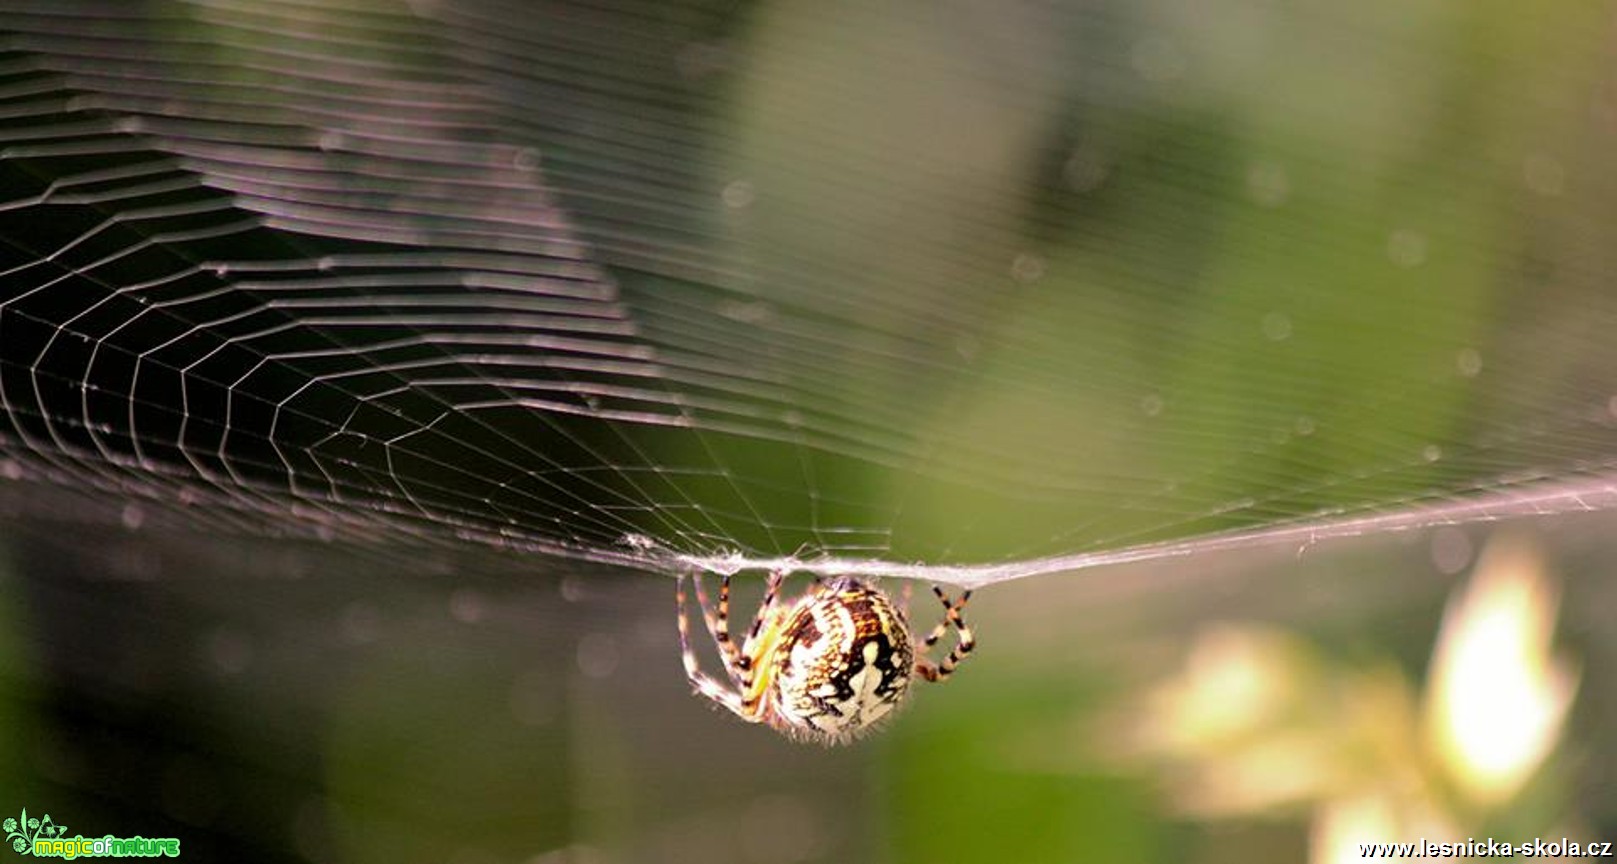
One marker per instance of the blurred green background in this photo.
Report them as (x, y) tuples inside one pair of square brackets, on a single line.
[(931, 283)]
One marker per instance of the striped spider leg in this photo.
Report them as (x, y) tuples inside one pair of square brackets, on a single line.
[(964, 640)]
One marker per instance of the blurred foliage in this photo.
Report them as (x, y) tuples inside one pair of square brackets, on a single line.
[(1176, 269), (965, 781), (1259, 724), (1036, 279)]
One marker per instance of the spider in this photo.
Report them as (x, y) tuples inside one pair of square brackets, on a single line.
[(825, 668)]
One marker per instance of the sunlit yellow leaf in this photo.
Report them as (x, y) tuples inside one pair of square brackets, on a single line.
[(1497, 697)]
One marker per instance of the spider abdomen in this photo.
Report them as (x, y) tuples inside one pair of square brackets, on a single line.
[(827, 667), (843, 661)]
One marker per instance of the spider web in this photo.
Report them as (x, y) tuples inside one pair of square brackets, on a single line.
[(1018, 290)]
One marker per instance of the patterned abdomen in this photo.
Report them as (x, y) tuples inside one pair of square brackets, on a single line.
[(844, 661)]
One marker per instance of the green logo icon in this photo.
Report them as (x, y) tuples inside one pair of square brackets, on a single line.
[(20, 832), (44, 838)]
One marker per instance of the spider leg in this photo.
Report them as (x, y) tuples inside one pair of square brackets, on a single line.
[(964, 641), (765, 610), (718, 625), (700, 680), (771, 593), (937, 632)]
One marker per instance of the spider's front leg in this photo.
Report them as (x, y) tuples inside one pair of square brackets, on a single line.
[(700, 680), (747, 662), (964, 641)]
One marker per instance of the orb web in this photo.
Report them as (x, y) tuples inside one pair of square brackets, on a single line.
[(648, 286)]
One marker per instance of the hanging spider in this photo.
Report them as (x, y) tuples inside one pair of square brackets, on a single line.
[(828, 666)]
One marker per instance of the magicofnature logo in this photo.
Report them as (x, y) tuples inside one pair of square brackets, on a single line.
[(44, 838)]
